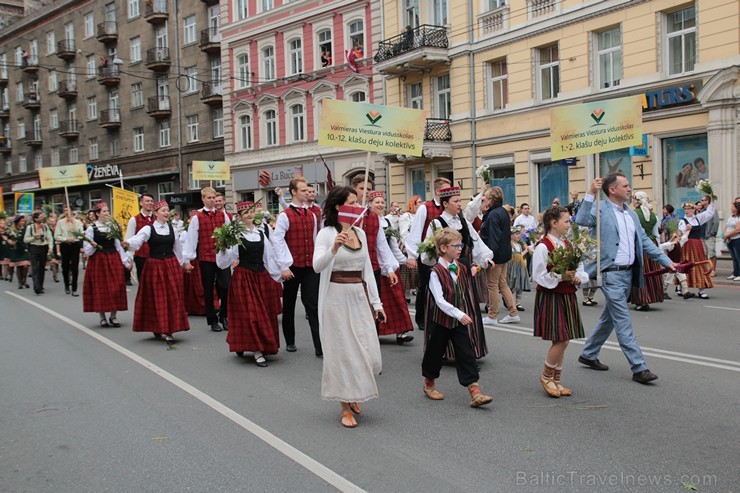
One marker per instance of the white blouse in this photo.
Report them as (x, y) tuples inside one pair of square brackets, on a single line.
[(481, 252), (90, 250), (163, 229), (546, 279), (227, 258)]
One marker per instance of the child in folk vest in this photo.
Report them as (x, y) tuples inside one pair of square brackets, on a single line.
[(556, 315), (517, 275), (450, 308)]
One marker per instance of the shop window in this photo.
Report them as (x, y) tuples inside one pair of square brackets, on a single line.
[(685, 162), (165, 189), (553, 180), (618, 161)]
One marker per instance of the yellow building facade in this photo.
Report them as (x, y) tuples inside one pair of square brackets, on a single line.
[(491, 71)]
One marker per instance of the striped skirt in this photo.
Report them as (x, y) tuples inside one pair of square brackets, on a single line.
[(409, 278), (652, 289), (556, 316), (517, 275), (698, 277)]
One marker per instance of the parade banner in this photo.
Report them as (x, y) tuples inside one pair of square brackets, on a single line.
[(371, 127), (63, 176), (24, 203), (211, 170), (125, 206), (591, 128)]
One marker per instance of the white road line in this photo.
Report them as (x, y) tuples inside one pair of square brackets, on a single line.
[(694, 359), (334, 479), (722, 308)]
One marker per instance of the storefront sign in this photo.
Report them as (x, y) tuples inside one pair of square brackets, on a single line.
[(590, 128), (211, 170), (670, 96), (278, 177), (24, 185), (569, 161), (24, 203), (125, 205), (183, 198), (371, 127), (642, 150), (100, 172), (63, 176)]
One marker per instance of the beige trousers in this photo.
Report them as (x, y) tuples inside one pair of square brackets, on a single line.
[(497, 287)]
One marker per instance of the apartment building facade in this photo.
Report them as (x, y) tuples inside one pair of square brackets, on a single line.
[(285, 58), (495, 68), (131, 88)]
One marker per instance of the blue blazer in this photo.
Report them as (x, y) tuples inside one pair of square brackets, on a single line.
[(586, 216)]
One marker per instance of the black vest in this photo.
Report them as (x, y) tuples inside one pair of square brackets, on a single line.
[(697, 232), (251, 254), (162, 246), (106, 244), (467, 240)]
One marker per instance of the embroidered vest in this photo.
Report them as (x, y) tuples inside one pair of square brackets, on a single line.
[(453, 292), (371, 227), (299, 236), (251, 254), (647, 224), (161, 246), (142, 221), (207, 223), (563, 287)]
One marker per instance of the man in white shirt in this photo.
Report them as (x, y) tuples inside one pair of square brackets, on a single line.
[(525, 219)]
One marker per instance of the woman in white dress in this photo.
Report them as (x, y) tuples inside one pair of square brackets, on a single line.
[(348, 305)]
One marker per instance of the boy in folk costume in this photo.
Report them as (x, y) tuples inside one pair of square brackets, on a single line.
[(135, 224), (450, 309), (200, 244)]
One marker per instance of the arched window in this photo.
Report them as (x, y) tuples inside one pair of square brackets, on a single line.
[(242, 68), (245, 131), (297, 123), (325, 48), (358, 97)]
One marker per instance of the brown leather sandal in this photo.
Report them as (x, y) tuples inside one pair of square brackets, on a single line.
[(348, 420)]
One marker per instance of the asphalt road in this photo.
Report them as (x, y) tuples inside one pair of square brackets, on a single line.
[(90, 409)]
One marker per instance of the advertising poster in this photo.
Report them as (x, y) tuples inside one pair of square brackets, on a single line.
[(615, 162), (24, 203), (685, 163), (125, 205)]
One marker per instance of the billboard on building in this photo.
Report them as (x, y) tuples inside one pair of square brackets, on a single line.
[(63, 176)]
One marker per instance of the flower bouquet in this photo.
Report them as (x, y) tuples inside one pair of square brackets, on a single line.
[(392, 232), (705, 187), (228, 235), (671, 227), (579, 247), (429, 246), (48, 210), (484, 172), (80, 236), (114, 231)]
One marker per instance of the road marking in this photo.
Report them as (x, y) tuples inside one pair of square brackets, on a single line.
[(722, 308), (693, 359), (313, 466)]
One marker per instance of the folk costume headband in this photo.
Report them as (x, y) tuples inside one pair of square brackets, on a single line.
[(160, 204), (243, 206), (375, 194), (448, 192), (99, 206)]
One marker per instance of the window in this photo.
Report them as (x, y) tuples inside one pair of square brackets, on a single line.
[(115, 146), (89, 25), (22, 164), (411, 13), (165, 189), (357, 36), (192, 77), (192, 128), (439, 8), (72, 112), (444, 103), (136, 49), (266, 5), (95, 197), (52, 80), (188, 29), (92, 70), (140, 189), (164, 133), (138, 139), (92, 146), (18, 56), (92, 108), (218, 123), (681, 41), (268, 63), (325, 51), (133, 9), (53, 119), (553, 183), (270, 128), (241, 9), (548, 72), (414, 95), (74, 155), (137, 96), (609, 53), (20, 92), (37, 127), (21, 128), (242, 67), (34, 52), (215, 64), (297, 122), (499, 85), (38, 161), (54, 156), (51, 43), (245, 132), (295, 53), (357, 97), (69, 31), (495, 4), (4, 66)]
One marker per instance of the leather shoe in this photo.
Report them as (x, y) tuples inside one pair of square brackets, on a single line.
[(225, 323), (291, 348), (74, 293), (644, 377), (688, 294), (215, 327), (66, 291), (319, 354), (594, 364)]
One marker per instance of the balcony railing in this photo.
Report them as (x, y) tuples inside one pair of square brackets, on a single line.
[(5, 111), (212, 93), (109, 75), (31, 101), (110, 118), (494, 20), (438, 130), (69, 129), (107, 32), (155, 12), (159, 106), (210, 40), (4, 145), (425, 36), (158, 59), (538, 8), (30, 65), (67, 89), (66, 49), (33, 139)]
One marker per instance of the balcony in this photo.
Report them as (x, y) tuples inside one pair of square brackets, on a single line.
[(4, 79), (412, 51), (66, 49), (33, 140), (5, 112), (110, 119), (67, 89), (109, 76), (212, 93), (5, 145), (69, 129), (31, 101), (494, 21), (158, 59), (159, 107), (210, 40), (107, 32), (30, 66), (156, 12)]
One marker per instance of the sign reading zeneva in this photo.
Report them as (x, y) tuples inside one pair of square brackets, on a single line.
[(101, 172)]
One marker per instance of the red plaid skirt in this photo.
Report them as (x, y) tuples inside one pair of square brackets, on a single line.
[(397, 315), (160, 307), (104, 287), (276, 297), (253, 325), (698, 277), (195, 302)]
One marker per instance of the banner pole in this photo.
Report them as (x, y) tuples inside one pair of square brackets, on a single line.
[(120, 177), (66, 197), (598, 238), (367, 173)]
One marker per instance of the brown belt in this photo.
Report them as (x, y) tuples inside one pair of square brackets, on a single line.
[(347, 277)]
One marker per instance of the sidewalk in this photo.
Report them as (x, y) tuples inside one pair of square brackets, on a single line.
[(724, 269)]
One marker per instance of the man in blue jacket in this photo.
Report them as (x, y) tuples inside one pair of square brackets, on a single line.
[(622, 242)]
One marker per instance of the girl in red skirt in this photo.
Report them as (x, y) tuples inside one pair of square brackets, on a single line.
[(392, 295), (160, 305), (252, 307), (104, 287), (692, 225), (556, 315)]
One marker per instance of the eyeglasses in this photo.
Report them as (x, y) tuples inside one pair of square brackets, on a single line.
[(459, 246)]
